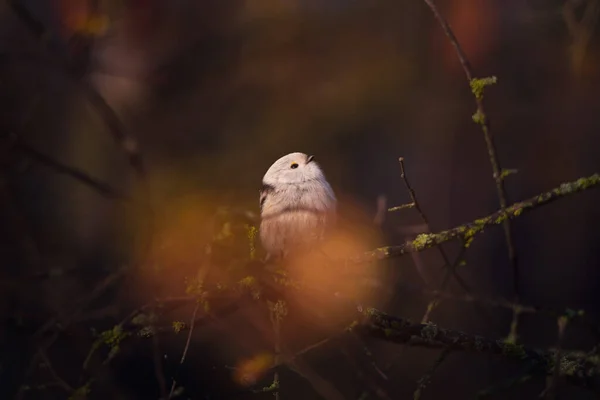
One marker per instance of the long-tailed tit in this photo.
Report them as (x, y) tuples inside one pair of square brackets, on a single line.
[(297, 205)]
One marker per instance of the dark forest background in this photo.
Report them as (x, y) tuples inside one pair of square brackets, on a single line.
[(171, 112)]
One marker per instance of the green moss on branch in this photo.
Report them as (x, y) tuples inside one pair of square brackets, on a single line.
[(577, 367), (469, 230)]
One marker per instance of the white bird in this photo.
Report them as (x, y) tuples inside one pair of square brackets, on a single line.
[(297, 205)]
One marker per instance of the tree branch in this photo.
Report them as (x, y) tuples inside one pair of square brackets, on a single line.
[(30, 152), (578, 368), (469, 230)]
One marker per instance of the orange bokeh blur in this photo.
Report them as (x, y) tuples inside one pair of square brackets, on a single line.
[(249, 371)]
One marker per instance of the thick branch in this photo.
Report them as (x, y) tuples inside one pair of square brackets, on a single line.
[(469, 230), (576, 366)]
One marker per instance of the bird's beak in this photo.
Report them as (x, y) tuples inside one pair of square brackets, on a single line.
[(309, 159)]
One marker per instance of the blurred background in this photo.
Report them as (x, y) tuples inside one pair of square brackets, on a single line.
[(208, 95)]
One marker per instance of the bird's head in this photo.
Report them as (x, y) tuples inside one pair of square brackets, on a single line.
[(293, 168)]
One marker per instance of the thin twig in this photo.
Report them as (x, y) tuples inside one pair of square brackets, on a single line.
[(451, 267), (158, 368), (61, 382), (102, 188), (401, 207), (498, 390), (82, 304), (506, 304), (552, 386), (323, 387), (426, 378), (448, 31), (411, 191), (489, 140), (274, 315), (363, 376), (286, 356), (187, 345), (413, 197), (435, 302)]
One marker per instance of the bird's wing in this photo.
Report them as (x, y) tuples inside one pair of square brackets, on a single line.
[(264, 193)]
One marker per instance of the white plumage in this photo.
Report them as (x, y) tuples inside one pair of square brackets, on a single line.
[(297, 205)]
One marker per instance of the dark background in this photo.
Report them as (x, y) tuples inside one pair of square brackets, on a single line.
[(215, 91)]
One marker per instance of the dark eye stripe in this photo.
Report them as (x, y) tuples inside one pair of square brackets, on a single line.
[(267, 188)]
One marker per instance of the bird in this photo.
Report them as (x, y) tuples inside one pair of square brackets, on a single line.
[(297, 205)]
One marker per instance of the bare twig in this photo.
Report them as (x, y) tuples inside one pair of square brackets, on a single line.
[(275, 311), (498, 389), (401, 207), (158, 368), (426, 378), (417, 206), (484, 122), (187, 345), (286, 356), (324, 388), (61, 382), (125, 140), (102, 188), (64, 321), (451, 267), (374, 387), (411, 191), (552, 386), (453, 40), (433, 304)]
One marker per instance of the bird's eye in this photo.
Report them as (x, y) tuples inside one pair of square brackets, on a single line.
[(294, 165)]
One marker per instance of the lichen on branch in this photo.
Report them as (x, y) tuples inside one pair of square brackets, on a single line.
[(469, 230), (578, 367)]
